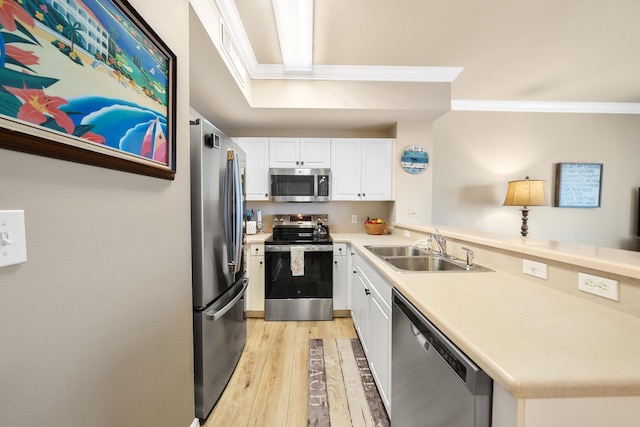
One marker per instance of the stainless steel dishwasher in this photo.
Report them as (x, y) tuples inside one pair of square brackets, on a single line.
[(434, 384)]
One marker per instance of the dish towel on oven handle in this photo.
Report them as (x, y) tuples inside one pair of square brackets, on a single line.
[(297, 260)]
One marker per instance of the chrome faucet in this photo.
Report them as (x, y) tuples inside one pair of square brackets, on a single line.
[(441, 241)]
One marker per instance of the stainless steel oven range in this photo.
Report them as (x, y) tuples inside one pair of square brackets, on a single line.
[(298, 269)]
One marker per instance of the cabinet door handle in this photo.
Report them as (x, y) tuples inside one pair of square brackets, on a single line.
[(335, 262), (367, 291), (260, 262)]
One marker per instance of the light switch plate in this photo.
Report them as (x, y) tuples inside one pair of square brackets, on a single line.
[(13, 243), (533, 268)]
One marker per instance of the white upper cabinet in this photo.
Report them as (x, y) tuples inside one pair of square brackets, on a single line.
[(300, 153), (257, 172), (361, 169)]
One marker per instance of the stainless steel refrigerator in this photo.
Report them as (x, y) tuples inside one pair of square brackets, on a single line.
[(219, 281)]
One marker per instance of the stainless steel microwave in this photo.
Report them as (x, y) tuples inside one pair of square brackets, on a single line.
[(300, 185)]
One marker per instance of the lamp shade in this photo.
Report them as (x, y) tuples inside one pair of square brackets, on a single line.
[(525, 192)]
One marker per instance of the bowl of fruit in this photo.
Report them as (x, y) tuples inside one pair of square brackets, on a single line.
[(375, 225)]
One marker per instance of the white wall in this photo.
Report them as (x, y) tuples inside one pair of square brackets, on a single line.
[(96, 329), (413, 190), (477, 153)]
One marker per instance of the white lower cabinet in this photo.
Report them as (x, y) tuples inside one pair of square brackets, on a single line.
[(360, 306), (340, 277), (255, 293), (371, 313)]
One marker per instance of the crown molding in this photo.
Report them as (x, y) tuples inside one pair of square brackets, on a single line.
[(546, 107)]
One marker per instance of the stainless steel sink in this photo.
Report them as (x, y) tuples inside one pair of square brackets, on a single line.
[(431, 263), (385, 251), (423, 263), (405, 259)]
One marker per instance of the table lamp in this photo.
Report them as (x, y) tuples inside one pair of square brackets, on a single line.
[(526, 192)]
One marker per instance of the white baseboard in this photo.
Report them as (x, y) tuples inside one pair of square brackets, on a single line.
[(195, 423)]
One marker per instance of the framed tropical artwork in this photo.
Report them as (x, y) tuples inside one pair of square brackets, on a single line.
[(87, 81)]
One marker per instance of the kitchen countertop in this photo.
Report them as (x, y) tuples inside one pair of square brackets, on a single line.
[(534, 341), (257, 238)]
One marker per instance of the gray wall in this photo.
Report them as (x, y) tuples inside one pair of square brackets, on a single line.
[(95, 329), (477, 153)]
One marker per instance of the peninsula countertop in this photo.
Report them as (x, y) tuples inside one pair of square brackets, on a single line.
[(534, 341)]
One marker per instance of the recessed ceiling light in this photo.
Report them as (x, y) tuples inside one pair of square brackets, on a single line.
[(294, 21)]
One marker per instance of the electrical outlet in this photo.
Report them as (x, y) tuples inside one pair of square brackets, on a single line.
[(354, 219), (605, 288), (407, 233), (533, 268), (412, 211)]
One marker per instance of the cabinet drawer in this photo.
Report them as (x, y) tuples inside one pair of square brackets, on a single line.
[(379, 284), (256, 249), (339, 249)]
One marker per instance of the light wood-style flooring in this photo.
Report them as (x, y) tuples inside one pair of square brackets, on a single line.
[(269, 385)]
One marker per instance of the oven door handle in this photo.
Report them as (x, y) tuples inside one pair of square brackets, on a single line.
[(307, 248)]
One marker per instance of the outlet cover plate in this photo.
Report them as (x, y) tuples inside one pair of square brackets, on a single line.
[(534, 268), (599, 286)]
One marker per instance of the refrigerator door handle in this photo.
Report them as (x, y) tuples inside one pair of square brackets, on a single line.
[(216, 314), (233, 212)]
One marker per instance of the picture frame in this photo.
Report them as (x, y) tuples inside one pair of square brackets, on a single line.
[(578, 185), (89, 82)]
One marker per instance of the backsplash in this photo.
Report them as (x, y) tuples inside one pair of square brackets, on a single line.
[(340, 213)]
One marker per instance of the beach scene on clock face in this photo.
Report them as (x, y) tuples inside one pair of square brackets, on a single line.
[(414, 159)]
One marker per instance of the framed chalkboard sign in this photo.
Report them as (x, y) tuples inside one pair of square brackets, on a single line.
[(578, 185)]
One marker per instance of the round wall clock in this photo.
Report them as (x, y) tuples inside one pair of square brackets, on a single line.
[(414, 159)]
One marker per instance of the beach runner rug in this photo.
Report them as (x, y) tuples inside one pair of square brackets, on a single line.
[(341, 390)]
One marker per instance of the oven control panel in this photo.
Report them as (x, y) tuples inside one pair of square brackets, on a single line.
[(305, 220)]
